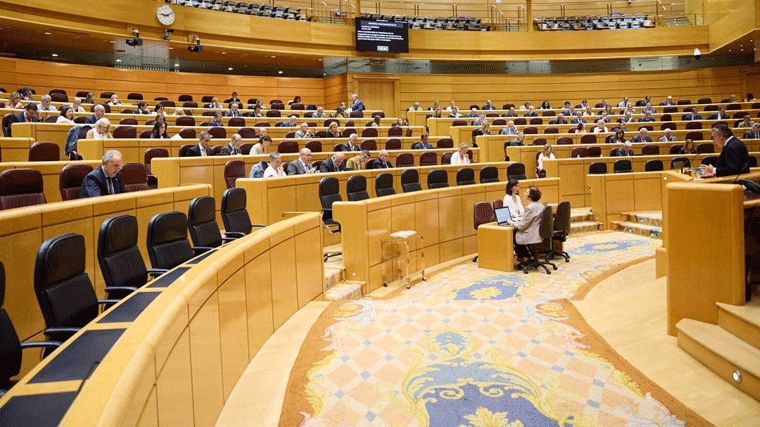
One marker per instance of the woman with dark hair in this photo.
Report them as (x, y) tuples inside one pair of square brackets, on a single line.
[(545, 106), (89, 99), (750, 97), (527, 227), (296, 100), (376, 122), (159, 130), (66, 116), (688, 147), (512, 200), (617, 138)]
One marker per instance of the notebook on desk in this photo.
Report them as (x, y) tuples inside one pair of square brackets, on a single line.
[(502, 215)]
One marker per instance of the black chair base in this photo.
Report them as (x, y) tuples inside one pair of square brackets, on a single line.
[(535, 263), (332, 254), (557, 255), (475, 259)]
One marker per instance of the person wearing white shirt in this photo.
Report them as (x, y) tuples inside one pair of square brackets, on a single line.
[(460, 156), (76, 105), (275, 166), (415, 106), (45, 105), (66, 116), (304, 131), (600, 127), (546, 153), (512, 200), (666, 136)]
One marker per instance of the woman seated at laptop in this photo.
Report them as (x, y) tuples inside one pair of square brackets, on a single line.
[(512, 200), (528, 225)]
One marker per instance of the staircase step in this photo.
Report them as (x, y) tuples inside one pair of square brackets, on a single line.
[(333, 275), (584, 227), (638, 228), (346, 290), (653, 218), (722, 353), (741, 320)]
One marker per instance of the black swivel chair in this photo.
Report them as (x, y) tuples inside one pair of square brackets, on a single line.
[(356, 188), (623, 166), (410, 180), (201, 222), (489, 174), (120, 260), (561, 230), (516, 171), (545, 230), (237, 222), (597, 168), (167, 241), (710, 160), (384, 185), (329, 193), (686, 162), (437, 178), (10, 345), (66, 296), (653, 165), (465, 176)]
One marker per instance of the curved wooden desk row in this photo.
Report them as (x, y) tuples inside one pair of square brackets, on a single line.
[(133, 150), (419, 118), (171, 353), (51, 172), (197, 111), (15, 149), (574, 185), (443, 217), (53, 132), (24, 230), (271, 199)]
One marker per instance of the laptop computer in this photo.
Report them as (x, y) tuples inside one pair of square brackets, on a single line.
[(502, 215)]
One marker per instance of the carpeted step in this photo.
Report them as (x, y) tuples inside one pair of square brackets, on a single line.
[(742, 321), (581, 215), (732, 359), (346, 290), (653, 218), (334, 274), (638, 228), (584, 227)]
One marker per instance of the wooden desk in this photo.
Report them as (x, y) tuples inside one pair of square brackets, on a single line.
[(496, 247)]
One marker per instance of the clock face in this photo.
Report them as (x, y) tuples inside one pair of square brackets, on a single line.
[(165, 15)]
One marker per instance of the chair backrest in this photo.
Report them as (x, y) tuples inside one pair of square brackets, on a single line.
[(516, 171), (693, 125), (234, 213), (694, 135), (622, 166), (329, 193), (64, 291), (21, 187), (125, 131), (482, 213), (236, 122), (245, 132), (384, 185), (564, 140), (562, 218), (183, 98), (579, 152), (404, 160), (348, 131), (131, 121), (706, 147), (187, 133), (395, 131), (201, 222), (536, 121), (288, 147), (410, 180), (546, 227), (428, 158), (167, 241), (459, 122), (551, 130), (369, 133), (465, 176), (530, 130), (437, 178), (356, 188), (686, 162), (752, 161), (704, 101), (10, 345), (44, 152), (710, 160), (653, 165), (393, 144), (135, 96), (233, 170), (597, 168), (185, 121), (498, 203), (70, 180), (134, 176), (118, 255), (444, 143), (588, 138), (152, 153), (446, 158), (489, 174), (218, 132)]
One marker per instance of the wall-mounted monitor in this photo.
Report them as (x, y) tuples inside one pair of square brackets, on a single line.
[(380, 35)]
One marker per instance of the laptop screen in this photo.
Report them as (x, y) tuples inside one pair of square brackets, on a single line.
[(502, 215)]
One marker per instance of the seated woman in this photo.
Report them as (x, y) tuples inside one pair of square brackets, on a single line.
[(528, 225), (89, 98), (581, 129), (66, 116), (15, 101), (460, 156), (114, 100), (333, 132), (546, 153), (688, 147), (261, 147), (178, 112), (296, 100), (215, 105), (159, 131), (617, 138), (512, 200), (100, 130), (438, 113), (376, 122), (545, 106)]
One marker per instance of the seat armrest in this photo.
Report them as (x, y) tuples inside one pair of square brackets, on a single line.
[(197, 250), (229, 239), (258, 225), (120, 288), (155, 272), (234, 234), (49, 331), (40, 344), (108, 301)]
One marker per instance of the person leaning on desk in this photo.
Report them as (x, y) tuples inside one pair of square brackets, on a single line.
[(733, 157)]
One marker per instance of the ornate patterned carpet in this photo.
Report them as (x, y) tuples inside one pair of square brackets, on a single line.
[(479, 348)]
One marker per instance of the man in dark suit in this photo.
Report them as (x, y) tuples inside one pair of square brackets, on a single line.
[(104, 180), (720, 115), (489, 106), (733, 157), (352, 144), (560, 120), (217, 122), (201, 149), (691, 116), (28, 115), (754, 133), (99, 112), (578, 118), (233, 148), (356, 104), (647, 118), (510, 113), (234, 110), (381, 162), (334, 163), (668, 101), (625, 150), (302, 165), (642, 136), (423, 143), (142, 108)]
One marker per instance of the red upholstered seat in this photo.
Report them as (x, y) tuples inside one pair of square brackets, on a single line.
[(21, 187)]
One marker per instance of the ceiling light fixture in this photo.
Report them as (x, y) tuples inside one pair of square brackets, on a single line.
[(55, 55), (279, 72)]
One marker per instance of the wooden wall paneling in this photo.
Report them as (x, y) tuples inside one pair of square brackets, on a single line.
[(174, 386), (206, 362), (284, 282), (258, 291)]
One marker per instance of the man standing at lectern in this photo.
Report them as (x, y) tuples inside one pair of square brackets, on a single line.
[(733, 156)]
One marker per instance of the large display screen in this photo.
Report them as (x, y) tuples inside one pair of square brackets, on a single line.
[(379, 35)]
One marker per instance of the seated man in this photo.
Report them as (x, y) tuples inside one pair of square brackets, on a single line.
[(647, 118), (746, 123), (668, 101), (28, 115), (578, 118), (76, 105), (754, 133), (45, 104), (510, 113), (104, 180), (489, 106), (473, 113), (334, 163), (649, 109), (451, 106), (275, 166), (233, 148), (99, 112), (624, 103), (628, 109), (302, 165), (201, 149), (217, 122), (733, 155), (356, 104), (480, 120), (423, 143), (234, 98), (642, 136), (531, 112), (381, 162), (320, 114), (234, 110), (692, 115), (560, 120), (720, 115), (358, 162), (256, 111), (142, 108), (627, 118), (415, 106), (454, 113), (511, 129), (352, 144), (304, 132), (666, 136), (291, 123), (626, 150)]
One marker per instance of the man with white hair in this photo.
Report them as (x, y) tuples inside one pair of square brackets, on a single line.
[(99, 112), (356, 104), (668, 101), (382, 162), (666, 136), (334, 163), (473, 113), (320, 114), (106, 179), (626, 150), (302, 165), (352, 144), (489, 106), (642, 136), (415, 106), (45, 105), (76, 105), (304, 131), (233, 148)]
